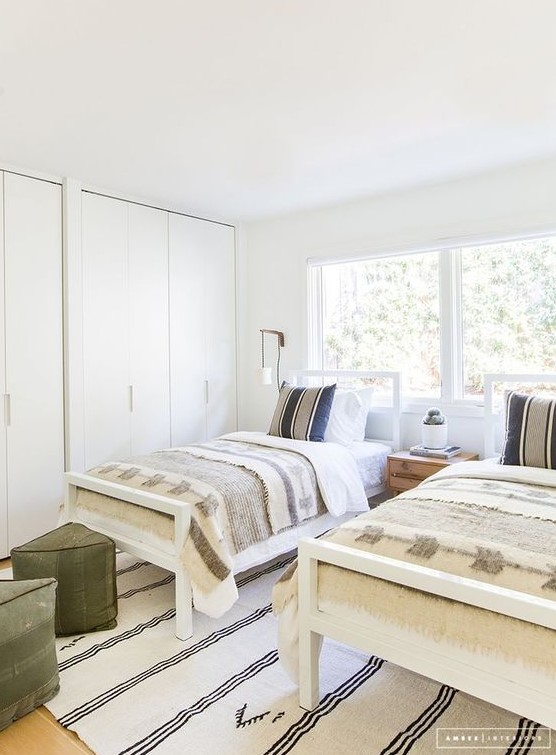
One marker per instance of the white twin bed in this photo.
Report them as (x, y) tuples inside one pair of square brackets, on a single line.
[(243, 498), (455, 580)]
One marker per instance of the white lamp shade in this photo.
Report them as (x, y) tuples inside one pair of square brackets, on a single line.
[(265, 375)]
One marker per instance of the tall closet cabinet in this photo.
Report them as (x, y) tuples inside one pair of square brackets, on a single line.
[(202, 329), (158, 329), (31, 358), (125, 329)]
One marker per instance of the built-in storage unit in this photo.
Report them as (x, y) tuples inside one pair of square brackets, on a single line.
[(158, 330), (202, 329), (31, 358), (146, 301), (125, 329)]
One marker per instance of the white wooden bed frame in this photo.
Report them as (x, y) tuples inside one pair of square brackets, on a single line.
[(169, 557), (345, 377), (494, 680), (508, 685)]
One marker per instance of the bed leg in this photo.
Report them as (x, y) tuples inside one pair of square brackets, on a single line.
[(309, 641), (309, 651), (184, 611), (68, 510)]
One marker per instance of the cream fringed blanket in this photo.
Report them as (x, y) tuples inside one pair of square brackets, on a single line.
[(229, 486), (478, 520), (242, 489)]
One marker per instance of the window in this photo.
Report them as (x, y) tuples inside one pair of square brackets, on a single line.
[(508, 294), (378, 314), (444, 318)]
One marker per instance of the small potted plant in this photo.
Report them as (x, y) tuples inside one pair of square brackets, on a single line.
[(434, 429)]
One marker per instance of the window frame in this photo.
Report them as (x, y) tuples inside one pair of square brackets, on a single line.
[(449, 252)]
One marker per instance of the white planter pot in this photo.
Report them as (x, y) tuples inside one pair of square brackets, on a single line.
[(434, 436)]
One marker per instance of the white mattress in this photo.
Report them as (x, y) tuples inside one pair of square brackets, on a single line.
[(370, 458)]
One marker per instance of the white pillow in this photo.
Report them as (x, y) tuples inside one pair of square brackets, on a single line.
[(348, 418), (366, 395)]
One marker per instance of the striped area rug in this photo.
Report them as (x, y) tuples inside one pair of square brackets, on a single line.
[(137, 689)]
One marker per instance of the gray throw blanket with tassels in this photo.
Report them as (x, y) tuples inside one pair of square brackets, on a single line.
[(241, 494)]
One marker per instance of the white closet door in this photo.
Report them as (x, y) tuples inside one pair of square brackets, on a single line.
[(4, 549), (106, 385), (34, 360), (149, 337), (187, 250), (220, 329)]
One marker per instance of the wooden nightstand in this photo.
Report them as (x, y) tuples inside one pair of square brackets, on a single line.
[(405, 471)]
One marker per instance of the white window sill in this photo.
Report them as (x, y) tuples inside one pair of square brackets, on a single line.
[(460, 409)]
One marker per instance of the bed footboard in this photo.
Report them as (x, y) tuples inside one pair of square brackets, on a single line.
[(495, 680), (167, 559)]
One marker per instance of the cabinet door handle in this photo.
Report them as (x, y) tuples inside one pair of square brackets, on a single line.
[(206, 391), (7, 409), (130, 398)]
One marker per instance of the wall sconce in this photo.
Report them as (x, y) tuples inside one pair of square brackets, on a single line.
[(266, 372)]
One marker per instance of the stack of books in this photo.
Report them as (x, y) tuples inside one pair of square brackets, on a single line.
[(438, 453)]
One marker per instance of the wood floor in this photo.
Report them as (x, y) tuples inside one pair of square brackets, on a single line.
[(38, 733)]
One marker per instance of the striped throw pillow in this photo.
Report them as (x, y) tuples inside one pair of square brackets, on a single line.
[(530, 439), (302, 413)]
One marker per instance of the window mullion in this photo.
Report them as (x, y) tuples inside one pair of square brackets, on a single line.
[(315, 318), (450, 325), (457, 327)]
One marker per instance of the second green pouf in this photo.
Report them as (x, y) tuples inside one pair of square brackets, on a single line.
[(84, 564)]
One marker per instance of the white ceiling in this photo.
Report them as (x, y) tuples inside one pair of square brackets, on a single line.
[(237, 109)]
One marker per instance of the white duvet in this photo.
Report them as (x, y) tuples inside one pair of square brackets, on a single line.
[(339, 481), (492, 469)]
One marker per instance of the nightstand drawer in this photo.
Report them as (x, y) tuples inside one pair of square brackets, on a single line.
[(410, 470), (406, 471)]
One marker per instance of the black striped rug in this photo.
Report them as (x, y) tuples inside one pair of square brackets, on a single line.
[(136, 689)]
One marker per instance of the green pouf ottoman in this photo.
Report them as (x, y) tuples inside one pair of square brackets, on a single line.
[(28, 665), (84, 564)]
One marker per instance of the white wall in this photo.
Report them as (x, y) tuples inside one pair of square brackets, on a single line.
[(274, 252)]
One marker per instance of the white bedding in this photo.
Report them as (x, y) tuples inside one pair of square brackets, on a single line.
[(492, 469), (339, 481), (370, 458)]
